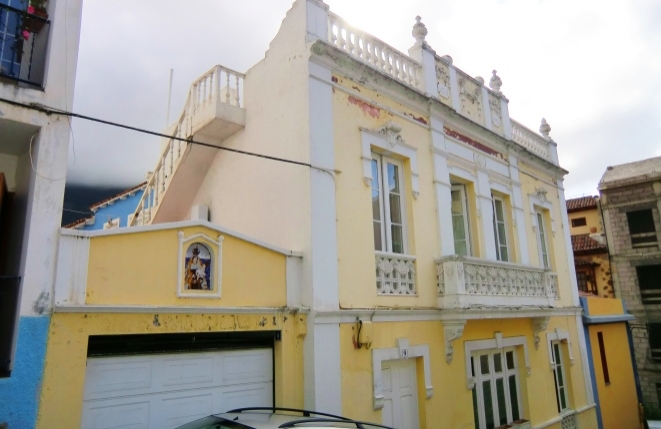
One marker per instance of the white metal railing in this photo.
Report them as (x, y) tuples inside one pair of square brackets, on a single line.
[(472, 276), (530, 140), (218, 85), (395, 274), (373, 51)]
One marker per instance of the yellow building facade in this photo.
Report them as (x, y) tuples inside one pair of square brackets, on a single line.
[(431, 282)]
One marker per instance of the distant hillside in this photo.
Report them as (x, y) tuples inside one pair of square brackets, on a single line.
[(78, 198)]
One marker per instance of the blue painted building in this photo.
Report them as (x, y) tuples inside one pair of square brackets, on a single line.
[(113, 212)]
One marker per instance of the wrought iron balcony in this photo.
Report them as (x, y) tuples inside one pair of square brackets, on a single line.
[(23, 45), (464, 282)]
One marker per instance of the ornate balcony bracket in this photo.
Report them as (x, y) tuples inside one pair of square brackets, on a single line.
[(452, 330), (539, 324)]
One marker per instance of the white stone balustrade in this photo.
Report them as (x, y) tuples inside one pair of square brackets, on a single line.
[(373, 51), (530, 140), (395, 274), (219, 85), (464, 282)]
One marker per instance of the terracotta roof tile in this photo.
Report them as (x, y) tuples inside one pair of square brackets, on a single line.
[(582, 203), (583, 242), (121, 194)]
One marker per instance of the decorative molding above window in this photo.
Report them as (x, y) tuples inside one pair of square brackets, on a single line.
[(199, 269), (562, 336), (389, 140), (538, 198), (498, 342), (403, 351)]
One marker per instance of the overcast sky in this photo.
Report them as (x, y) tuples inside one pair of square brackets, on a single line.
[(591, 68)]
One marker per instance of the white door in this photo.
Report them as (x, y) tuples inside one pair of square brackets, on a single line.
[(400, 394), (166, 391)]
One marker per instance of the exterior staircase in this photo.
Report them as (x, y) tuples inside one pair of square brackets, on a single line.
[(212, 113)]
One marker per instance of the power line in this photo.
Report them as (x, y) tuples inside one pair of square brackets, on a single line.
[(53, 111)]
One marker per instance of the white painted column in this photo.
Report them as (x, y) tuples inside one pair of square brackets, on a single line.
[(443, 189), (485, 212), (553, 152), (518, 215), (584, 358), (573, 286), (322, 376)]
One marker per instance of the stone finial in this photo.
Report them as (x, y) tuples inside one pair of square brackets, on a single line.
[(447, 59), (545, 128), (480, 79), (419, 31), (495, 83)]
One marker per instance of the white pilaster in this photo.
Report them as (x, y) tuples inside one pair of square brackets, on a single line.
[(518, 213), (443, 189), (485, 212), (505, 113), (426, 56), (316, 20), (486, 109), (584, 358), (454, 89), (569, 251), (322, 371)]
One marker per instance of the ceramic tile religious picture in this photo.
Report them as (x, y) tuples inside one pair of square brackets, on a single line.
[(198, 268)]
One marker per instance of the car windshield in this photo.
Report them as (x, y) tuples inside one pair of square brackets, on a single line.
[(214, 422)]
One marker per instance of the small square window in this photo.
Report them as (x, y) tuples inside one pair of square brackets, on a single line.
[(579, 221)]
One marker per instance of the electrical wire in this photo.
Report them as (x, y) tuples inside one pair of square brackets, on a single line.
[(54, 111)]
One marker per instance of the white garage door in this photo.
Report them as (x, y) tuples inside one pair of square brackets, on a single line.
[(165, 391)]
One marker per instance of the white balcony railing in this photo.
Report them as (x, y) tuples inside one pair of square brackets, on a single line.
[(395, 274), (464, 281), (218, 85), (530, 140), (373, 51)]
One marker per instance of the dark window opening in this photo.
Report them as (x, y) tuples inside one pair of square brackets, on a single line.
[(649, 283), (654, 337), (641, 228), (604, 363), (579, 221)]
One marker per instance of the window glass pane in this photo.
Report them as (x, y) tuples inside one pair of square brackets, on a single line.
[(563, 399), (497, 362), (484, 364), (395, 209), (500, 395), (498, 205), (460, 248), (393, 178), (502, 238), (555, 381), (510, 360), (514, 398), (397, 239), (504, 255), (488, 404), (378, 244)]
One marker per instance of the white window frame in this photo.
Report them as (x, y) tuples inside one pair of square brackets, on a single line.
[(542, 240), (464, 204), (559, 366), (384, 203), (492, 377), (504, 221)]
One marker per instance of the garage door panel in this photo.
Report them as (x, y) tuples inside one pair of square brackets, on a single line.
[(254, 395), (183, 407), (166, 391), (107, 377), (187, 371), (116, 414), (247, 366)]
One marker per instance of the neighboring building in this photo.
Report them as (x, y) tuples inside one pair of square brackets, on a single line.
[(431, 282), (605, 318), (38, 58), (114, 212), (631, 204), (593, 274)]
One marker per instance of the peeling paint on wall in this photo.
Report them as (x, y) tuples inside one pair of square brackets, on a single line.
[(368, 109)]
